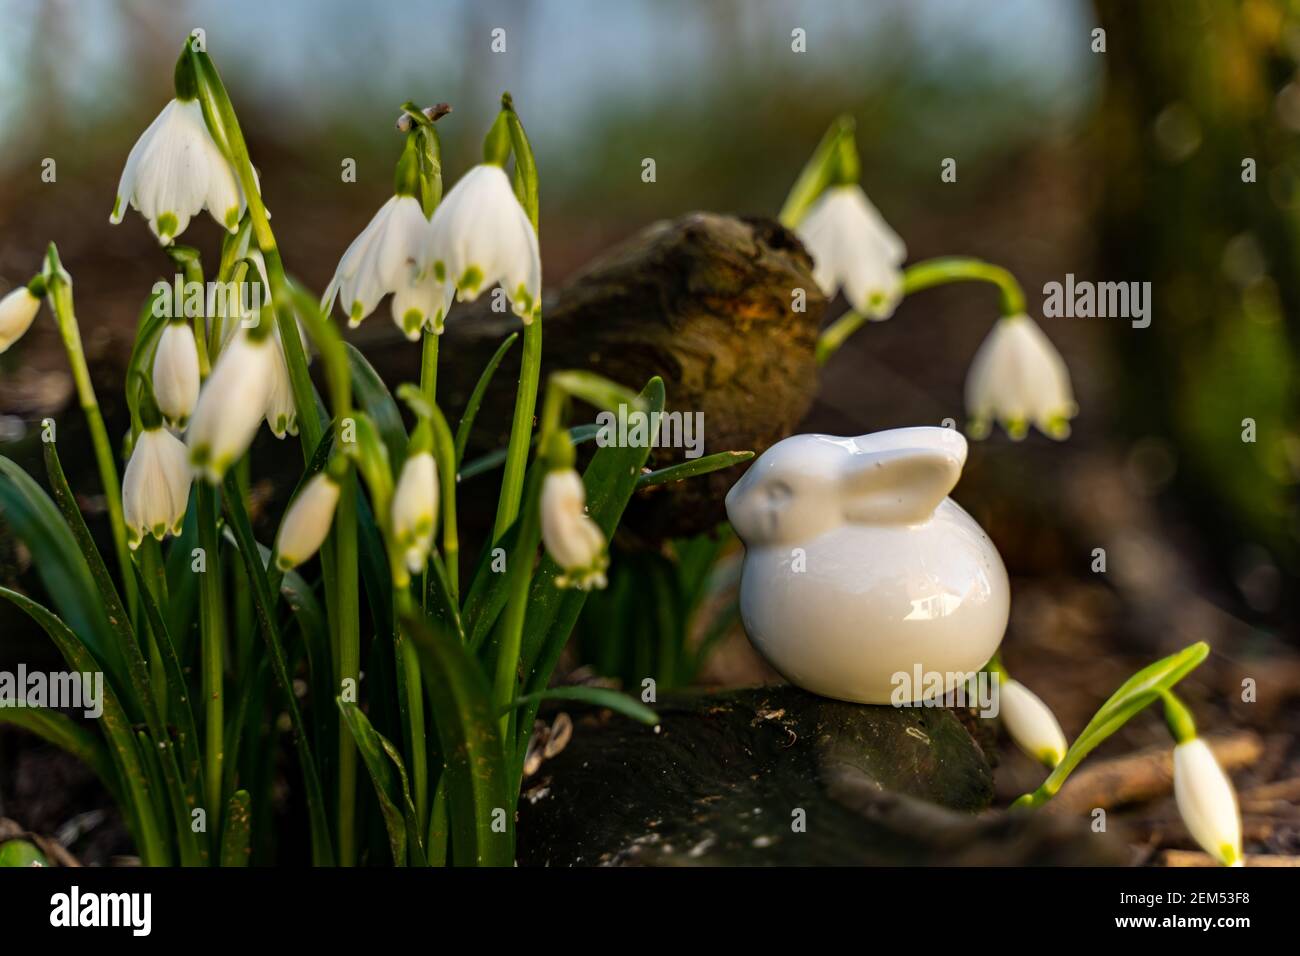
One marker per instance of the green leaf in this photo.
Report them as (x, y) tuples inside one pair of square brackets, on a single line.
[(477, 785), (182, 713), (610, 480), (692, 468), (137, 670), (615, 700), (322, 850), (59, 563), (139, 807), (1143, 688), (21, 853), (235, 842), (390, 788), (373, 397), (476, 398)]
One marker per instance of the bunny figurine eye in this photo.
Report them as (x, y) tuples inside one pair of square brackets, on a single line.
[(894, 579)]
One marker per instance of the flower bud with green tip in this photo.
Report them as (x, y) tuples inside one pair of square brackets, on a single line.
[(156, 486), (176, 373), (234, 400), (415, 500), (572, 539), (309, 517), (1019, 378), (1203, 792), (18, 310), (1030, 722)]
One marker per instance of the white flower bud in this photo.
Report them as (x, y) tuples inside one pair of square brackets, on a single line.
[(1030, 723), (307, 522), (415, 509), (854, 249), (572, 539), (156, 486), (1019, 378), (175, 170), (481, 237), (176, 373), (17, 313), (1207, 802), (232, 404)]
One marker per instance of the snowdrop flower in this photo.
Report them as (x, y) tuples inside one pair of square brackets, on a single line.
[(232, 404), (572, 539), (854, 249), (175, 170), (17, 313), (176, 373), (156, 486), (392, 254), (281, 412), (415, 508), (481, 237), (307, 521), (1030, 723), (1206, 801), (1019, 378)]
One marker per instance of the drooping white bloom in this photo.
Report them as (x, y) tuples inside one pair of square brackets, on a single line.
[(232, 404), (307, 522), (415, 508), (175, 170), (392, 254), (176, 373), (1030, 722), (1019, 378), (482, 236), (572, 539), (281, 412), (1207, 802), (17, 313), (854, 249), (156, 486)]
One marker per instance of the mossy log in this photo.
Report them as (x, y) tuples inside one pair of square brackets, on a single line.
[(779, 776), (708, 302)]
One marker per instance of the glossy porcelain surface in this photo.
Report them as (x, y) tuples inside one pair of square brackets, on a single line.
[(859, 568)]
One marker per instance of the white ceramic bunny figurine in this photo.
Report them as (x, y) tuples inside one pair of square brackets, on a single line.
[(858, 567)]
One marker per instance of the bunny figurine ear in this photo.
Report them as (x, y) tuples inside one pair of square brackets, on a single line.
[(901, 477)]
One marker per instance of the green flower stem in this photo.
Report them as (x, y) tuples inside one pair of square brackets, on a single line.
[(823, 168), (349, 661), (926, 275), (1179, 718), (520, 565), (149, 554), (521, 429), (212, 640), (508, 126), (59, 296), (444, 452), (338, 560), (429, 389)]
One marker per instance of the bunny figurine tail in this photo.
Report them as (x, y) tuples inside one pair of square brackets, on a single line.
[(863, 580)]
